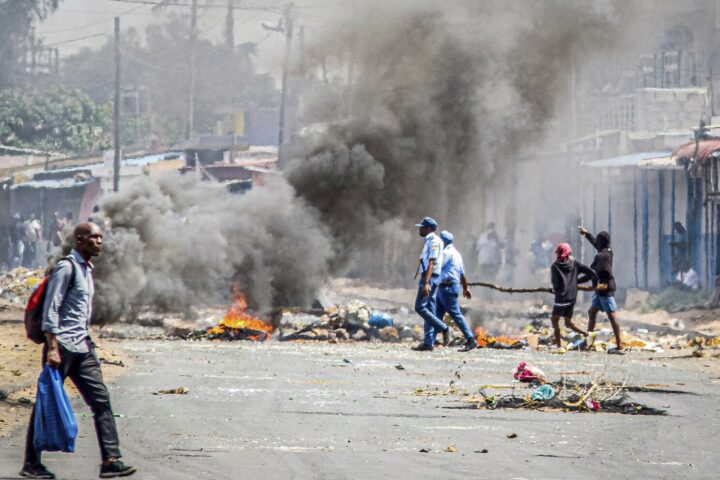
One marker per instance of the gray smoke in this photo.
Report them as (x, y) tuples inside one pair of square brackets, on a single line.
[(175, 243), (427, 106)]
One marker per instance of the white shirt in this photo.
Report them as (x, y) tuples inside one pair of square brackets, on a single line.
[(452, 265)]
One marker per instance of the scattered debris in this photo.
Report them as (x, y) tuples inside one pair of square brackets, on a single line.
[(17, 284), (451, 449), (527, 373), (117, 363), (173, 391), (543, 392), (571, 395)]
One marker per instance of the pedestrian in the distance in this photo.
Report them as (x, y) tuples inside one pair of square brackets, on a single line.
[(452, 277), (603, 300), (66, 317), (565, 274), (425, 302)]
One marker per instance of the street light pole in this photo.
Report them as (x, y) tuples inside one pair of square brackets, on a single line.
[(288, 28), (116, 113)]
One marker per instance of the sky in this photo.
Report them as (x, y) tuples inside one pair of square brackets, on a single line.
[(87, 23)]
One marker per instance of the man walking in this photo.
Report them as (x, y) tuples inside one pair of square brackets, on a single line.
[(603, 299), (68, 348), (425, 302), (565, 276), (452, 275)]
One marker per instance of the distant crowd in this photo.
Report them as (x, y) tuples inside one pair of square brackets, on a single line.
[(25, 243)]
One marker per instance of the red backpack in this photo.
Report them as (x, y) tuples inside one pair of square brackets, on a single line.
[(34, 308)]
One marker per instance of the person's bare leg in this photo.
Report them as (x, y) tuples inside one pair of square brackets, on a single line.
[(569, 323), (555, 319), (616, 329), (592, 317)]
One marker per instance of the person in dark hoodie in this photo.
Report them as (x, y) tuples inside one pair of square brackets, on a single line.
[(603, 299), (565, 275)]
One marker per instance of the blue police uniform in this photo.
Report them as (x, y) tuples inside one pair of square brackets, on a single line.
[(449, 287), (426, 306)]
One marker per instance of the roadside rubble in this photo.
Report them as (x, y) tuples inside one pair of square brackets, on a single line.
[(356, 321), (17, 284), (531, 390)]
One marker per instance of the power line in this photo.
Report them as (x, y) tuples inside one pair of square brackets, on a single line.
[(76, 39), (224, 7), (81, 27)]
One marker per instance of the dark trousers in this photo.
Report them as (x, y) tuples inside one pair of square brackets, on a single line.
[(84, 371)]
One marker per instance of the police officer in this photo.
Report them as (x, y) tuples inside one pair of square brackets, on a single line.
[(452, 276), (430, 266)]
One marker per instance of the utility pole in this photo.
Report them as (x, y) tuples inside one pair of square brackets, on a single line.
[(288, 29), (230, 27), (193, 54), (116, 113)]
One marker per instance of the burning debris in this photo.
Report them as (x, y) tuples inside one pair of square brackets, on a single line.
[(238, 324), (502, 342)]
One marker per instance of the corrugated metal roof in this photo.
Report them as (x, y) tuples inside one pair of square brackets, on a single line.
[(58, 183), (631, 160), (662, 163), (705, 149)]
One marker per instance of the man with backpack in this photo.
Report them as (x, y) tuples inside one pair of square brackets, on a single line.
[(66, 312)]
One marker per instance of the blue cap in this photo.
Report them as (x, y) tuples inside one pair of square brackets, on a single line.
[(427, 222), (447, 237)]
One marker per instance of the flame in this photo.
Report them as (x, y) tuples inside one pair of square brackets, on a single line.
[(237, 319), (484, 339)]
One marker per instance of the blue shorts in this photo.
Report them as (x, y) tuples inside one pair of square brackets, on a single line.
[(604, 304)]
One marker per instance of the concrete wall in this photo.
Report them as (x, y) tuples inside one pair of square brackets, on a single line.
[(666, 109)]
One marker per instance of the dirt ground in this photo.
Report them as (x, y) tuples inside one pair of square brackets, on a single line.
[(20, 367)]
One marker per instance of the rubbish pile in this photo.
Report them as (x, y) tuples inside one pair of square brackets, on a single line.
[(352, 322), (17, 284), (598, 395)]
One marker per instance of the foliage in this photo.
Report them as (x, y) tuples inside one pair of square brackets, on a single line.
[(16, 21), (59, 119)]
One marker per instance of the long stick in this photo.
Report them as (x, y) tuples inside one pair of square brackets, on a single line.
[(523, 290)]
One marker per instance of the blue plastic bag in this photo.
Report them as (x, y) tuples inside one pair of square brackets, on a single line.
[(543, 393), (380, 320), (55, 425)]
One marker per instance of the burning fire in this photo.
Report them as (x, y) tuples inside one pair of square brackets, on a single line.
[(237, 321), (484, 339)]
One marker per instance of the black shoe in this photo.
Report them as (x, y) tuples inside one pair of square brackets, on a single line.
[(422, 348), (446, 337), (469, 346), (116, 469), (37, 470)]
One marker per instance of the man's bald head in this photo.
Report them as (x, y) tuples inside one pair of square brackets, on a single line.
[(88, 240), (85, 229)]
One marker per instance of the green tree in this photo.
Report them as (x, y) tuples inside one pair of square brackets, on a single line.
[(59, 119)]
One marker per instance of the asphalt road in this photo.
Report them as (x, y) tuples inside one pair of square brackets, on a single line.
[(286, 411)]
